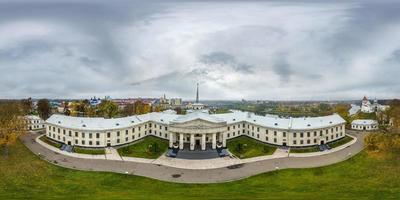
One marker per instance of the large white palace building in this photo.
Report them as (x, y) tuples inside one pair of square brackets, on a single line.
[(196, 129)]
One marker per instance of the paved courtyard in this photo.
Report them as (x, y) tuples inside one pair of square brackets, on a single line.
[(213, 170)]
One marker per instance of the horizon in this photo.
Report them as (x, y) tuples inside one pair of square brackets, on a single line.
[(281, 51)]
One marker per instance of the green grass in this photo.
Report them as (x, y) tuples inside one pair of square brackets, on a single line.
[(89, 151), (25, 176), (340, 142), (50, 142), (245, 147), (304, 150), (145, 148)]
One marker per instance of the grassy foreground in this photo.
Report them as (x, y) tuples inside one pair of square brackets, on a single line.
[(245, 147), (24, 176), (149, 147), (89, 151)]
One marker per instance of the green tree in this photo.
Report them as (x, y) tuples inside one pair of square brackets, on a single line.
[(108, 109), (128, 110), (44, 108)]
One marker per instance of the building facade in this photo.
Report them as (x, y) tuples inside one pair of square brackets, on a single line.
[(195, 130), (34, 123), (364, 124)]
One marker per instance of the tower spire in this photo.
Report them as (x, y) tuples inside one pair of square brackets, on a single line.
[(197, 93)]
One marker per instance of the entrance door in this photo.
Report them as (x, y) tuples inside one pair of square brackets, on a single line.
[(109, 144), (284, 144), (322, 142), (197, 143), (69, 142)]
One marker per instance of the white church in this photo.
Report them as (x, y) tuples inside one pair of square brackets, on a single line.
[(367, 107)]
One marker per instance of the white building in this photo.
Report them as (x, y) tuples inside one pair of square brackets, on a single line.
[(367, 107), (364, 124), (34, 122), (195, 130)]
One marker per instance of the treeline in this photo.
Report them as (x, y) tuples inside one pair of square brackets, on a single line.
[(12, 123), (386, 142)]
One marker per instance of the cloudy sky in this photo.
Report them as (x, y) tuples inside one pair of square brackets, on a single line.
[(277, 50)]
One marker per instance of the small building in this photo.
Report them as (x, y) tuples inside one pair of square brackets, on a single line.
[(364, 124), (34, 122)]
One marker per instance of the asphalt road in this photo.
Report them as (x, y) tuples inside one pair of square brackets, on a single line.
[(172, 174)]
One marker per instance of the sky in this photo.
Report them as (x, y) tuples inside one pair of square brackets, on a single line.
[(272, 50)]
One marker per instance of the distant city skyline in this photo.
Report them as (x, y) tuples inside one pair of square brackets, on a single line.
[(265, 50)]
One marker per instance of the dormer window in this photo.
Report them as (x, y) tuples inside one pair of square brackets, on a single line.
[(83, 125), (234, 119), (276, 124), (117, 124), (330, 122), (162, 120), (59, 122), (308, 124), (132, 121)]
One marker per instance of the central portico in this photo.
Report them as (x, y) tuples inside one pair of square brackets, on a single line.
[(197, 128)]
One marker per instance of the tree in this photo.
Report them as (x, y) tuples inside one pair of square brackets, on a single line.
[(44, 109), (108, 109), (27, 106), (129, 109), (12, 124), (394, 113)]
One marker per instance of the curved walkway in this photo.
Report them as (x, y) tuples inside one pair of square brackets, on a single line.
[(173, 174)]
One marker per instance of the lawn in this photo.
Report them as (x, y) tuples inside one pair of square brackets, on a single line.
[(89, 151), (340, 142), (304, 150), (25, 176), (149, 147), (245, 147), (50, 142)]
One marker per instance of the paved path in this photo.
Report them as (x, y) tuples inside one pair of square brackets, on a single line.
[(172, 174)]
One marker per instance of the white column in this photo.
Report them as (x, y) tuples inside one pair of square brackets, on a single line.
[(224, 139), (203, 142), (181, 141), (171, 139), (214, 140), (191, 141)]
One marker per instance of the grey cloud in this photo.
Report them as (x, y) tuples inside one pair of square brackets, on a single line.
[(222, 58)]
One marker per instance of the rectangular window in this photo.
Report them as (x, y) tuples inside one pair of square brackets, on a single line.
[(83, 135), (83, 142), (301, 135), (117, 133), (315, 133), (117, 140), (301, 141), (126, 139), (315, 140), (90, 135), (266, 131), (108, 135), (76, 134), (258, 129), (133, 130), (308, 134), (266, 138), (97, 143), (133, 137), (63, 131), (97, 135), (69, 133), (294, 142), (126, 132), (274, 133), (90, 143), (294, 134), (76, 142), (308, 141), (275, 140), (284, 134)]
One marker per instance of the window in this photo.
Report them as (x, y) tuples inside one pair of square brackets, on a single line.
[(133, 137), (58, 130), (294, 142), (117, 140), (133, 130), (275, 140), (294, 134), (308, 134), (69, 133), (63, 131), (83, 142), (97, 135), (266, 138), (76, 142), (301, 141), (108, 135), (90, 135), (266, 131), (320, 133), (76, 134), (284, 134), (126, 139), (308, 141), (301, 134), (97, 143), (258, 129), (228, 128), (117, 133), (126, 132), (166, 128), (83, 135), (258, 136), (228, 135), (274, 133), (90, 143), (315, 133)]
